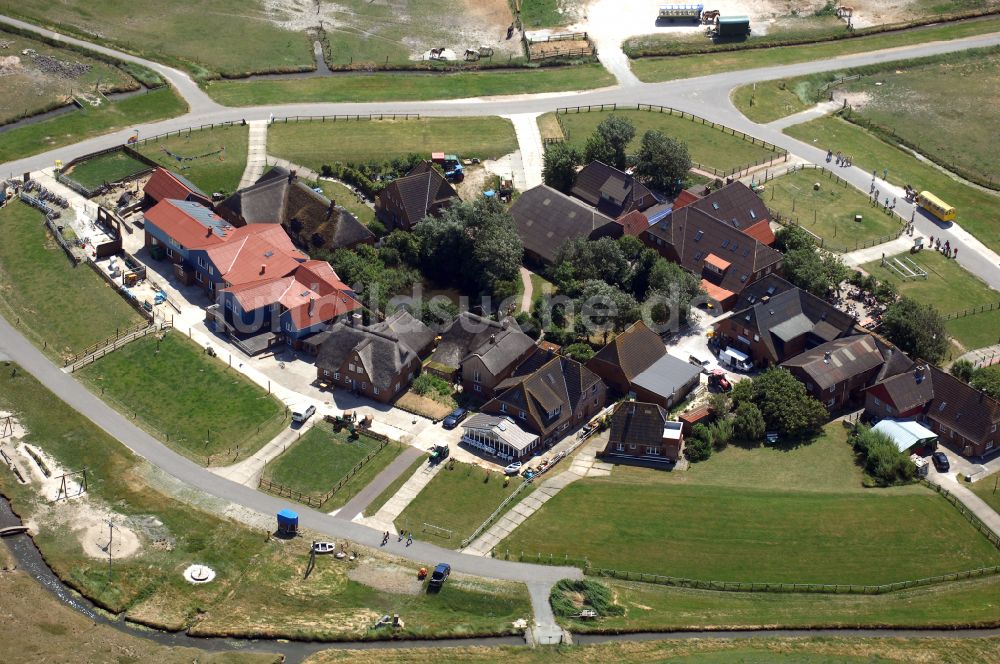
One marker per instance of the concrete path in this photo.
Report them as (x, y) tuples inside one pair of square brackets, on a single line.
[(900, 245), (527, 295), (532, 152), (975, 504), (982, 357), (257, 153), (585, 464), (356, 505), (384, 518), (248, 471), (303, 172), (817, 111)]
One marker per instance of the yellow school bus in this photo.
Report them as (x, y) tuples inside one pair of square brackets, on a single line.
[(936, 206)]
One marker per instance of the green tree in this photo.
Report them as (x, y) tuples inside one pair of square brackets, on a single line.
[(559, 166), (610, 141), (662, 163), (722, 433), (963, 370), (987, 379), (606, 307), (815, 270), (601, 259), (786, 406), (674, 287), (698, 445), (748, 423), (918, 329), (882, 459), (579, 352)]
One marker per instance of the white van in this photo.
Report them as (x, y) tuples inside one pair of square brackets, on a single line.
[(736, 359), (302, 413)]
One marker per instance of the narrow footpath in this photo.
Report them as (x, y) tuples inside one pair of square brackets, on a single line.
[(356, 505), (530, 150), (257, 153), (384, 519), (248, 471)]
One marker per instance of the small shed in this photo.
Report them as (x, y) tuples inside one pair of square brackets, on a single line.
[(907, 434), (288, 522), (732, 26)]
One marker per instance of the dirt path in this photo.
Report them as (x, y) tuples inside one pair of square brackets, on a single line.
[(257, 153), (527, 295)]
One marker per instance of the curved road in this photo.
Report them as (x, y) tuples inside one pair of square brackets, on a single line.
[(707, 96)]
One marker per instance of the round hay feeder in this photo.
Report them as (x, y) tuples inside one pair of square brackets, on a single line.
[(815, 186)]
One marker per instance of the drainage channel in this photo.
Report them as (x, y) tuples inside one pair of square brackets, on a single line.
[(29, 559)]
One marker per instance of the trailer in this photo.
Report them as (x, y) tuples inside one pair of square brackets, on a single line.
[(671, 13), (731, 26)]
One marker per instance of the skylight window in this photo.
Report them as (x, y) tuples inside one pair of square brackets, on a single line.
[(753, 215), (715, 205), (699, 235), (725, 243)]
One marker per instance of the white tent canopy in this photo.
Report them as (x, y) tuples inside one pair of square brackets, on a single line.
[(905, 433)]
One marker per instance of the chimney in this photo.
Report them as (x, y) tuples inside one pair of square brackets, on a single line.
[(262, 268), (291, 177), (493, 338), (208, 232), (329, 210), (312, 306), (826, 357), (918, 373), (356, 320)]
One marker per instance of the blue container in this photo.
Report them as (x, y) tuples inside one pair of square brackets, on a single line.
[(288, 521)]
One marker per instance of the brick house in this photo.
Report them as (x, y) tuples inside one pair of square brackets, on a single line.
[(964, 418), (165, 184), (838, 372), (546, 218), (643, 432), (777, 327), (626, 356), (549, 396), (611, 191), (367, 360), (406, 201)]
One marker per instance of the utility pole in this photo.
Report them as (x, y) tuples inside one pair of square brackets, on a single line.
[(111, 537)]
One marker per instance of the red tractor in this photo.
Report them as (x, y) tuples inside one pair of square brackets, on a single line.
[(717, 380)]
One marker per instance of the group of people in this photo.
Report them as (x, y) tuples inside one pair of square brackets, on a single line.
[(842, 160), (946, 248), (407, 533)]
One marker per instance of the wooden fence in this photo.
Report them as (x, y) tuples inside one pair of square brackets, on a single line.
[(562, 36), (977, 523), (780, 154), (188, 130), (992, 306), (348, 118), (314, 501), (142, 329)]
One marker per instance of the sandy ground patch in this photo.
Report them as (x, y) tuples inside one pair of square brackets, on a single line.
[(856, 100), (386, 576)]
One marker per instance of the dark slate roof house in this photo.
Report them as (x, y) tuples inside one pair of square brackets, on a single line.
[(368, 359), (738, 205), (406, 201), (964, 418), (610, 190), (837, 372), (546, 218), (626, 356), (780, 326), (725, 258), (643, 431)]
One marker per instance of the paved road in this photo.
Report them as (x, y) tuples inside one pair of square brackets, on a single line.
[(373, 489)]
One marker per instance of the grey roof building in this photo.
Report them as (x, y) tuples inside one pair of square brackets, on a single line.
[(667, 381), (546, 218), (421, 193), (499, 435)]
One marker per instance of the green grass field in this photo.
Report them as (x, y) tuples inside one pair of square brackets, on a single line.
[(322, 457), (61, 308), (830, 211), (767, 101), (214, 159), (348, 200), (391, 490), (313, 144), (949, 288), (260, 588), (988, 489), (459, 498), (29, 90), (977, 210), (197, 403), (228, 37), (708, 147), (652, 607), (546, 13), (784, 516), (408, 87), (107, 168), (83, 124), (955, 97), (652, 70)]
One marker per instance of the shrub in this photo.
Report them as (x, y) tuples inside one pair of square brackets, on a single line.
[(722, 433), (882, 459), (748, 423), (426, 383), (698, 445), (565, 594)]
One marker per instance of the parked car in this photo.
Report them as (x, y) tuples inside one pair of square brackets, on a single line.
[(302, 413), (454, 418), (512, 469), (941, 462), (439, 575)]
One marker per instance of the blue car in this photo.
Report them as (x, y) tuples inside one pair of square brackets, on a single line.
[(454, 418)]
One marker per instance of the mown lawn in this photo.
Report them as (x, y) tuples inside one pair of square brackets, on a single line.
[(796, 516), (977, 210), (544, 13), (950, 289), (83, 124), (323, 457), (213, 159), (196, 404), (652, 70), (988, 489), (409, 87), (260, 586), (223, 36), (60, 308), (652, 607), (314, 143), (459, 498), (107, 168), (709, 147), (829, 211), (766, 101)]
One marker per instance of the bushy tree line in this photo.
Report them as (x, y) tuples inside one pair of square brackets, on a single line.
[(986, 379), (812, 269), (881, 458)]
